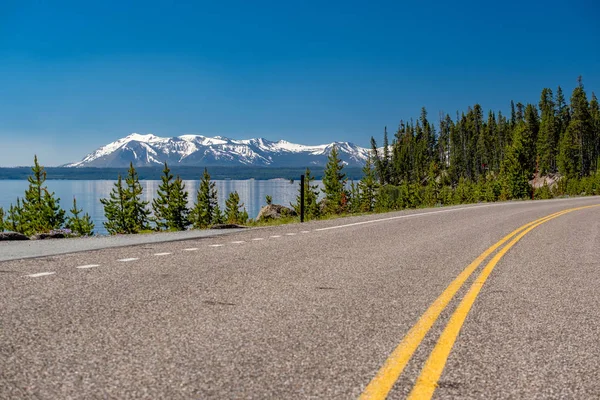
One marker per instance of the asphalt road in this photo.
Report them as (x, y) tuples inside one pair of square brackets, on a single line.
[(314, 310)]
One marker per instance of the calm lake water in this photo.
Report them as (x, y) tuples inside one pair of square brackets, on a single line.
[(88, 193)]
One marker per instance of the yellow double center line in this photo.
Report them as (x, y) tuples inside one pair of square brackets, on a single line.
[(386, 377)]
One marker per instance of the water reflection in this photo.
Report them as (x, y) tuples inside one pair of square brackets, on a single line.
[(88, 193)]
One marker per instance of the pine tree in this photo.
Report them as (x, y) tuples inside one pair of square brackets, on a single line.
[(514, 176), (178, 210), (41, 210), (354, 198), (569, 157), (115, 210), (530, 135), (387, 161), (136, 213), (379, 163), (81, 225), (14, 219), (334, 181), (368, 187), (233, 214), (546, 145), (311, 198), (160, 204), (170, 205), (432, 190), (206, 209), (2, 219), (581, 126), (595, 115)]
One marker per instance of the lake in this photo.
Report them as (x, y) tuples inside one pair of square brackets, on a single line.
[(89, 192)]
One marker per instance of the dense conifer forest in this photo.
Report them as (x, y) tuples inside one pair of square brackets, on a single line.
[(546, 149)]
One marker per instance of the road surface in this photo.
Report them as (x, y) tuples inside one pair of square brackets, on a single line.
[(460, 302)]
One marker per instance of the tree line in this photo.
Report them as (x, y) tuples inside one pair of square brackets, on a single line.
[(474, 157), (466, 159)]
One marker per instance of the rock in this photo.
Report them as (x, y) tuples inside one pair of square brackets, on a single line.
[(274, 211), (12, 236), (51, 235), (226, 226)]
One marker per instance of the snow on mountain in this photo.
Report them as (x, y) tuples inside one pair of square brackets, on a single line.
[(197, 150)]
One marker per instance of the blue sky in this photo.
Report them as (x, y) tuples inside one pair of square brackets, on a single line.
[(75, 75)]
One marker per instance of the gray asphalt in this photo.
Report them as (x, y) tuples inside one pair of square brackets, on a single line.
[(309, 315)]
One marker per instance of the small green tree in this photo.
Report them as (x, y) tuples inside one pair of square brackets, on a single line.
[(232, 210), (115, 209), (178, 209), (136, 213), (1, 219), (354, 200), (81, 225), (14, 219), (206, 209), (311, 198), (368, 186), (432, 190), (334, 182), (513, 175), (41, 210), (269, 200), (170, 205)]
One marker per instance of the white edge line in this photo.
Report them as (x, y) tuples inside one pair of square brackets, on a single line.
[(88, 266), (400, 217), (40, 274)]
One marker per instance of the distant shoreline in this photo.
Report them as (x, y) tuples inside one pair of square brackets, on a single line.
[(186, 173)]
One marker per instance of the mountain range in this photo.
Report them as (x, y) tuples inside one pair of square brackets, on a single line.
[(197, 150)]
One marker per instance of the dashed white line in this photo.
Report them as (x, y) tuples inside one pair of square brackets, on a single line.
[(215, 245), (88, 266), (275, 236), (290, 234), (162, 254), (258, 239), (238, 242), (40, 274), (304, 231), (128, 259), (191, 249)]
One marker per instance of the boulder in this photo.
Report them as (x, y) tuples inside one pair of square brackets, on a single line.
[(50, 235), (226, 226), (274, 211), (12, 236)]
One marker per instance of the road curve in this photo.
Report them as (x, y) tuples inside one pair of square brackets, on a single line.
[(318, 310)]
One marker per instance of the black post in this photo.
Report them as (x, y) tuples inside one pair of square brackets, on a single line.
[(301, 198)]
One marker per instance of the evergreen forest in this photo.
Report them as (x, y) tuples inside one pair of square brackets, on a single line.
[(536, 151)]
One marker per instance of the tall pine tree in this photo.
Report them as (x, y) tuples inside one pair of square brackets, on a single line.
[(41, 209), (334, 182), (206, 210), (170, 205)]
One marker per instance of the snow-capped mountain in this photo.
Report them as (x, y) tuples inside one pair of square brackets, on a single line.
[(197, 150)]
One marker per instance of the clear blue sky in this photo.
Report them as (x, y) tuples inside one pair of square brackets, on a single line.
[(75, 75)]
